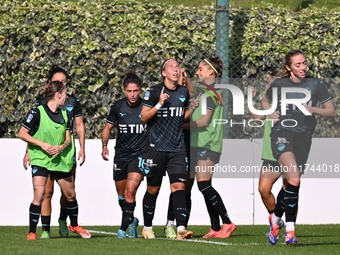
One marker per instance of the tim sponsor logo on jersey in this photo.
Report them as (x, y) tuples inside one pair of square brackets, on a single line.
[(171, 111), (132, 128)]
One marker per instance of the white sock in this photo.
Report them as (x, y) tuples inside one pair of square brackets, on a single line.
[(179, 228), (170, 223), (147, 227), (275, 220), (290, 226)]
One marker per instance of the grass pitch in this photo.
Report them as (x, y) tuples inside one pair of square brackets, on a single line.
[(312, 239)]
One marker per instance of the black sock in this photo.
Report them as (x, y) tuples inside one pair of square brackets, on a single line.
[(121, 202), (72, 211), (127, 218), (149, 205), (171, 215), (291, 199), (280, 204), (188, 201), (45, 222), (180, 208), (214, 217), (34, 212), (214, 199), (63, 213)]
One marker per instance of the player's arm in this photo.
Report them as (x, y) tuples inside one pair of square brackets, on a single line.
[(265, 103), (24, 135), (327, 109), (253, 95), (80, 129), (27, 159), (55, 150), (105, 136), (148, 113), (201, 122)]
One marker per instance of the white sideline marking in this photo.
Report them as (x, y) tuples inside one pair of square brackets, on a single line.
[(187, 240)]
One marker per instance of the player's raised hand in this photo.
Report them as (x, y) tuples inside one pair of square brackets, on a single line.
[(163, 97), (275, 116), (195, 102)]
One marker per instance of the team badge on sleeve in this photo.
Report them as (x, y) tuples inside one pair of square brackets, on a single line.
[(147, 95), (29, 118)]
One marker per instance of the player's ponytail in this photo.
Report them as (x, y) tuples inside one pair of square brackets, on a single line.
[(51, 88)]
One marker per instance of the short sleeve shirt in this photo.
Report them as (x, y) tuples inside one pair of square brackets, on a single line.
[(166, 127), (132, 132), (71, 105), (302, 123), (33, 120)]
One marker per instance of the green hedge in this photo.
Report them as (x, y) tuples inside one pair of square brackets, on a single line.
[(98, 41)]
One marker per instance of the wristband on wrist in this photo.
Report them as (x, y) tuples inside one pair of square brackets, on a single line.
[(158, 106)]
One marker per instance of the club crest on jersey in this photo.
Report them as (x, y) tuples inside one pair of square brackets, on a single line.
[(147, 95), (29, 118), (182, 98), (69, 108)]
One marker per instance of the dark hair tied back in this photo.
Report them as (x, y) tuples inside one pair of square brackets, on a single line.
[(131, 77)]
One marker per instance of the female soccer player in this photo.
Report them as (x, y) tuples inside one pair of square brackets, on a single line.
[(129, 167), (73, 108), (47, 131), (270, 169), (165, 107), (291, 135), (206, 142)]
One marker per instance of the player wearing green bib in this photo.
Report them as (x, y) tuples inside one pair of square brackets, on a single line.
[(47, 131), (206, 145), (74, 112)]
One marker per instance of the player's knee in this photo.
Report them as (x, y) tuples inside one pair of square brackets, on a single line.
[(177, 186), (70, 196), (129, 195), (48, 195), (153, 190), (264, 191), (38, 199), (294, 181)]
